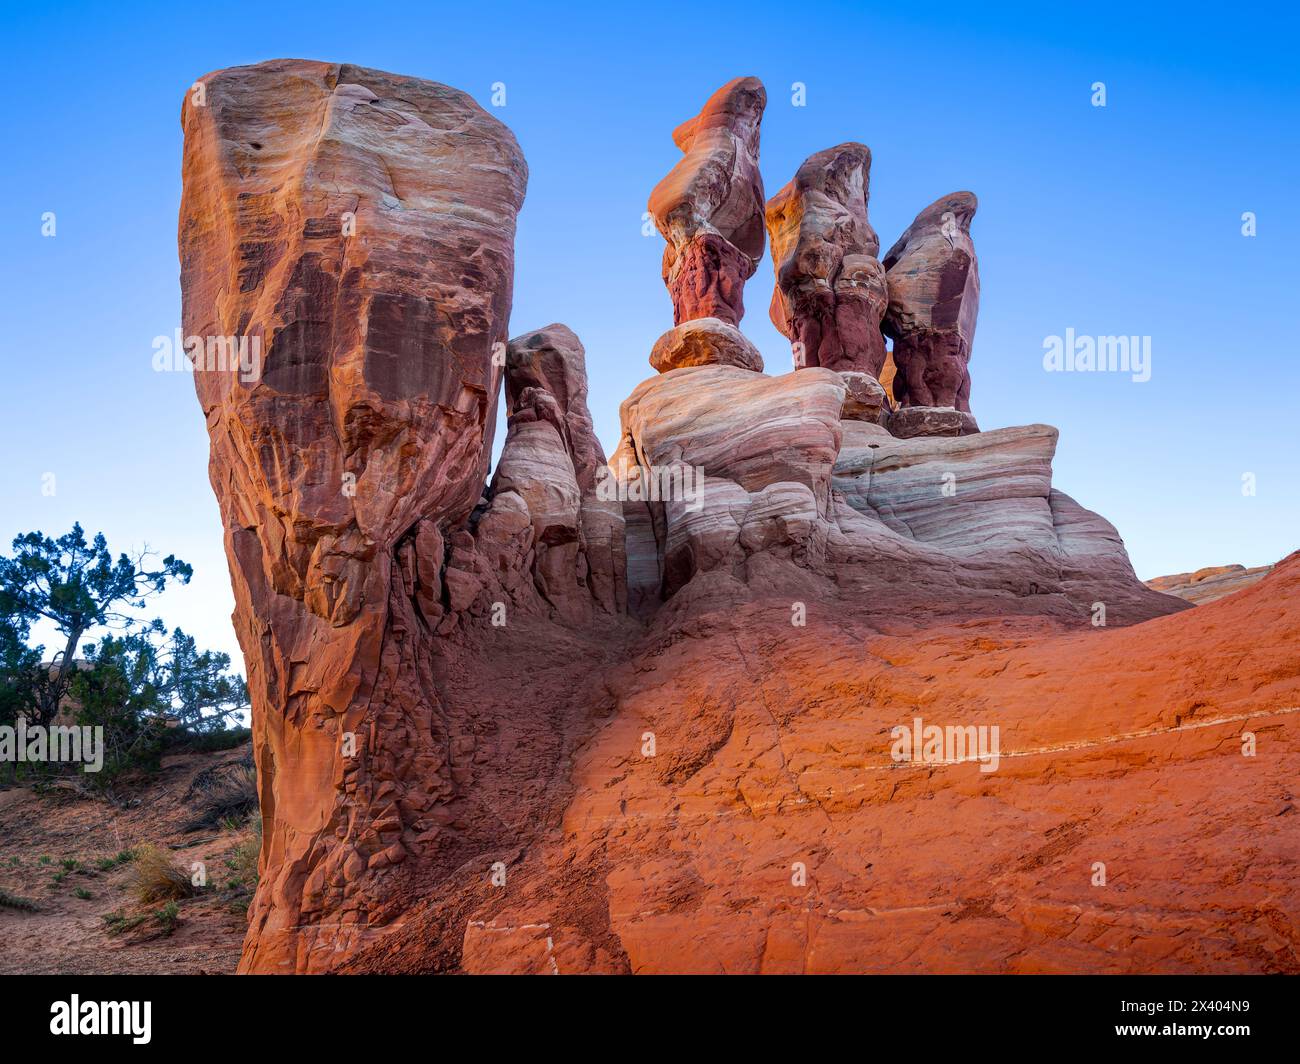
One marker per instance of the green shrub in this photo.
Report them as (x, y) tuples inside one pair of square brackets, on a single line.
[(242, 862), (107, 864), (168, 917), (118, 922)]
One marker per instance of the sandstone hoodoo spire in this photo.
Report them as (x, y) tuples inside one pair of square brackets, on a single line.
[(934, 295), (549, 473), (360, 226), (710, 206), (830, 288)]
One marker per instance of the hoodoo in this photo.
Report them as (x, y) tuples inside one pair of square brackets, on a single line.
[(830, 287), (934, 299)]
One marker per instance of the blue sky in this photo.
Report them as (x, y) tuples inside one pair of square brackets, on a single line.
[(1117, 220)]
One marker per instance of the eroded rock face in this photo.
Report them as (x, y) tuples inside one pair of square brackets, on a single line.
[(357, 227), (934, 294), (710, 206), (793, 493), (830, 290), (752, 429), (549, 474), (775, 748), (742, 464)]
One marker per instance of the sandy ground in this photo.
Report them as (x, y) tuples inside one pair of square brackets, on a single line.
[(68, 933)]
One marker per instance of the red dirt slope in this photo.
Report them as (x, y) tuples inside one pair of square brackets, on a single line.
[(1120, 748)]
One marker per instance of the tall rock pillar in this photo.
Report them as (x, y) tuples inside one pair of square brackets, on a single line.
[(350, 233)]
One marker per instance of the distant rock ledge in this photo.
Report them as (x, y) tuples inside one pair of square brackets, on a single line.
[(1212, 582)]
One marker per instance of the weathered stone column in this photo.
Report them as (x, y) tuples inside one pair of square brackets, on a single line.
[(354, 230)]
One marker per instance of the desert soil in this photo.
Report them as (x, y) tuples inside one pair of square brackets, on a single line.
[(69, 934)]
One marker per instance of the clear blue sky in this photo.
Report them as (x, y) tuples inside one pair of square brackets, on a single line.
[(1122, 220)]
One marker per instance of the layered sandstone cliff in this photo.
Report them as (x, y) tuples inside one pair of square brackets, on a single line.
[(635, 714), (1211, 583)]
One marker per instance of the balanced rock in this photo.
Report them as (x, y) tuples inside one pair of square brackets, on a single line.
[(934, 295), (355, 230), (704, 342), (830, 290), (864, 398), (710, 206), (909, 421)]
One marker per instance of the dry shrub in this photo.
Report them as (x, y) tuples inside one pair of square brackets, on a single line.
[(156, 877), (13, 901), (222, 793)]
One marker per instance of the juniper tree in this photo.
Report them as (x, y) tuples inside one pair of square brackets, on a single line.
[(75, 586)]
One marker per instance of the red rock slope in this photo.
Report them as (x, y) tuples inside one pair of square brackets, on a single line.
[(1122, 747)]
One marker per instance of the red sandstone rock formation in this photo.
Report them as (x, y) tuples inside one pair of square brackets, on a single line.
[(549, 475), (830, 289), (643, 721), (359, 227), (772, 832), (710, 206), (934, 294), (795, 493)]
